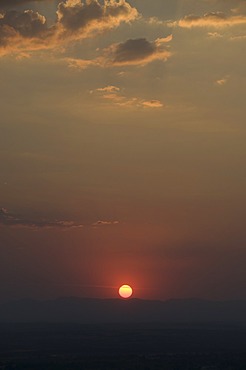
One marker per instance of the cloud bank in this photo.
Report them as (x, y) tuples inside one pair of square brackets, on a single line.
[(76, 20)]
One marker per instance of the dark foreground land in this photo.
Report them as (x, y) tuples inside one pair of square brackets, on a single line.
[(123, 346)]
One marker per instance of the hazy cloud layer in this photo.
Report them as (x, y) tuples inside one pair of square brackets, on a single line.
[(10, 219), (212, 19)]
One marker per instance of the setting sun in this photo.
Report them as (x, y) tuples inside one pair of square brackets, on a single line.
[(125, 291)]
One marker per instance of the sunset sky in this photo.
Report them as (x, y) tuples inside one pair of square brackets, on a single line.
[(122, 148)]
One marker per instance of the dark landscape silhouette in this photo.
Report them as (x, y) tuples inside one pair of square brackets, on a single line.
[(88, 310), (81, 333)]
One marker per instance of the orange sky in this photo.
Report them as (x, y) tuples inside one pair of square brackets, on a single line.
[(122, 145)]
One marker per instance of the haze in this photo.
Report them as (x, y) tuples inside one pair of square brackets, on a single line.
[(122, 145)]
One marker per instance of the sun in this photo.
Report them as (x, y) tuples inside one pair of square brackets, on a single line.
[(125, 291)]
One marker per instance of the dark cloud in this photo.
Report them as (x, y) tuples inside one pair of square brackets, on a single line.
[(138, 51), (22, 31), (131, 52), (27, 24), (11, 220), (76, 19), (75, 16)]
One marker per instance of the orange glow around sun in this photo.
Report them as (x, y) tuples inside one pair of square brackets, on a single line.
[(125, 291)]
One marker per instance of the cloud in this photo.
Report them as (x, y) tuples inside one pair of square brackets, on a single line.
[(152, 104), (213, 19), (22, 31), (241, 8), (214, 35), (79, 20), (105, 223), (136, 52), (133, 52), (26, 24), (108, 89), (155, 21), (81, 64), (11, 220), (238, 38), (222, 81), (113, 95), (28, 31), (121, 100)]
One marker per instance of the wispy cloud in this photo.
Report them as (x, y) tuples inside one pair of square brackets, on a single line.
[(114, 95), (212, 19), (241, 8), (9, 219), (105, 223), (108, 89), (152, 104), (238, 38), (214, 35), (12, 220), (222, 81)]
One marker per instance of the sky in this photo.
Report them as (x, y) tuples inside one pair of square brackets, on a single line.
[(122, 148)]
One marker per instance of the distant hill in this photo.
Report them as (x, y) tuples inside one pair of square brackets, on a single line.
[(86, 310)]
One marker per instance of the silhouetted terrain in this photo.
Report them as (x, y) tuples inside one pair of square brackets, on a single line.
[(75, 333), (122, 346), (84, 310)]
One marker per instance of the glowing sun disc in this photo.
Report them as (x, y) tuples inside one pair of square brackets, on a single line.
[(125, 291)]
